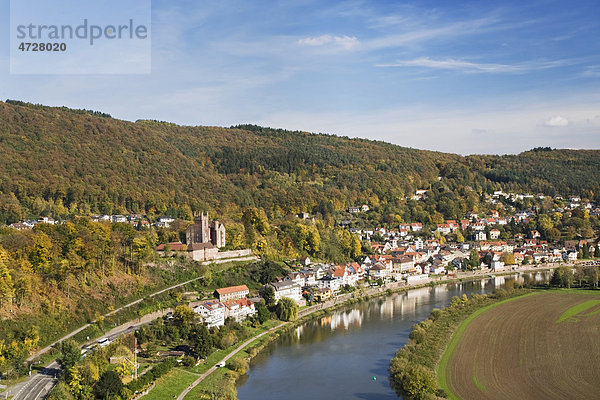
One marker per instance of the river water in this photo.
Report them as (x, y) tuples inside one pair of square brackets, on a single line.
[(346, 354)]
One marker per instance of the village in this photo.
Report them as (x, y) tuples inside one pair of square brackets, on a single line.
[(407, 255)]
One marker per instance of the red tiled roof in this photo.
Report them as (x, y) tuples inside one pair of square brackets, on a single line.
[(232, 289), (175, 246)]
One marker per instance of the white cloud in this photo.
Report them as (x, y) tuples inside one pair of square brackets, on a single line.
[(346, 42), (467, 66), (557, 121)]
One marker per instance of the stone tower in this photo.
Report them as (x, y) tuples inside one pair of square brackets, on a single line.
[(217, 234), (199, 232)]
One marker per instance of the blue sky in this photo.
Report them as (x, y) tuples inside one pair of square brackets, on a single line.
[(463, 77)]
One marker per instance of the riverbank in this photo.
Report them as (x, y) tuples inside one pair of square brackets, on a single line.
[(222, 377), (482, 356), (417, 367)]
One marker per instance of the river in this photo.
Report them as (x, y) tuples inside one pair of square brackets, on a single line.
[(346, 354)]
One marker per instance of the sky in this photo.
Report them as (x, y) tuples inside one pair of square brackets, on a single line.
[(463, 77)]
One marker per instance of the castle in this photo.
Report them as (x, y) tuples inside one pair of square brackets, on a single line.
[(202, 232), (203, 239)]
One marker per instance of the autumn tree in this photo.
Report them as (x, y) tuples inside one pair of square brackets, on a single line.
[(6, 285)]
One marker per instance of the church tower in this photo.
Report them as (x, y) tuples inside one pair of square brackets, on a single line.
[(199, 232)]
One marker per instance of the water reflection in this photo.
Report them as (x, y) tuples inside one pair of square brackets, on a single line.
[(339, 354)]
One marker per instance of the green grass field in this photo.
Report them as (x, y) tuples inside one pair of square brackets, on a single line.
[(172, 384)]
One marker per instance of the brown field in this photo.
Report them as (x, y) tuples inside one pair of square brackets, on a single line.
[(544, 346)]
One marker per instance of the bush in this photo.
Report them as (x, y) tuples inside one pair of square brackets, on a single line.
[(188, 361), (435, 314), (239, 365)]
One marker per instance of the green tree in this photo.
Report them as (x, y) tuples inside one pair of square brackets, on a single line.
[(202, 341), (287, 309), (593, 276), (419, 382), (268, 294), (562, 277), (585, 251), (109, 386), (262, 312), (70, 353), (553, 235), (474, 261), (579, 274)]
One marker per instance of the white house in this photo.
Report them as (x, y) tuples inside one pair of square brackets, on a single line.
[(328, 282), (494, 234), (480, 235), (497, 265), (287, 289), (212, 312), (239, 309)]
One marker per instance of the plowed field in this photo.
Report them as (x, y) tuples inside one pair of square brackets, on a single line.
[(543, 346)]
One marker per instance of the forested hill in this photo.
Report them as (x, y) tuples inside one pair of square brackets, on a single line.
[(60, 161)]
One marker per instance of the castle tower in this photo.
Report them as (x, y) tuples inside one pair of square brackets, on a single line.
[(199, 232), (217, 234), (205, 228)]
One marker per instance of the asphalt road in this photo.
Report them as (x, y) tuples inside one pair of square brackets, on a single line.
[(39, 385)]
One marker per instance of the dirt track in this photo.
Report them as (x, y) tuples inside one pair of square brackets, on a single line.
[(518, 350)]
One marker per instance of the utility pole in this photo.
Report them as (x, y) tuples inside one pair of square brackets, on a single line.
[(135, 357)]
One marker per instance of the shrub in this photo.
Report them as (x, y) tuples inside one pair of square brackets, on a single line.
[(239, 365)]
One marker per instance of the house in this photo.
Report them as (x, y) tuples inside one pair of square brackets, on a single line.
[(497, 265), (494, 234), (164, 222), (323, 294), (437, 270), (330, 282), (353, 210), (402, 265), (212, 312), (20, 226), (444, 229), (480, 235), (232, 293), (173, 246), (296, 277), (118, 218), (379, 271), (287, 289), (303, 215), (46, 220), (416, 227), (348, 274), (239, 309), (202, 251), (364, 208), (535, 234)]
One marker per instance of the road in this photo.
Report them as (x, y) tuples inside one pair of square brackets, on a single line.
[(39, 385), (225, 359), (75, 332)]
